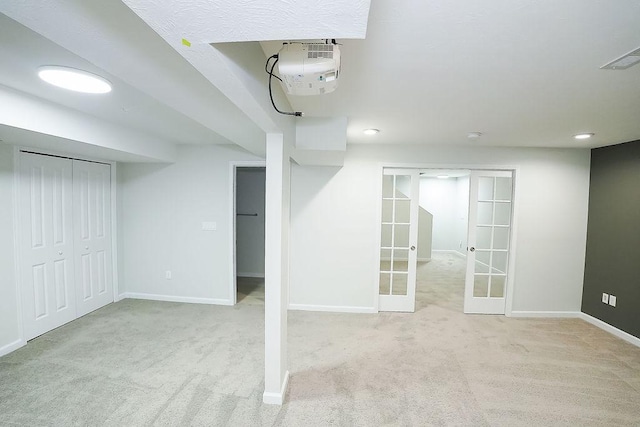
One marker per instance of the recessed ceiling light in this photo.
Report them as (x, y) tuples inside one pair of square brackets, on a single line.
[(583, 135), (371, 131), (73, 79)]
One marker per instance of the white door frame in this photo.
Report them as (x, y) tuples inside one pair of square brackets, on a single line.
[(17, 224), (233, 166), (470, 166)]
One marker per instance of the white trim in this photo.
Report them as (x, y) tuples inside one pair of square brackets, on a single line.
[(546, 314), (277, 398), (114, 232), (173, 298), (332, 308), (17, 248), (513, 233), (611, 329), (233, 165), (256, 275), (12, 346), (378, 234)]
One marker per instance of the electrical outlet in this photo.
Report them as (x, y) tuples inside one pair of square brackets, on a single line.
[(612, 300), (605, 298), (167, 274)]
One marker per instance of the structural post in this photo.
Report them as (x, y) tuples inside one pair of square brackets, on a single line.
[(276, 376)]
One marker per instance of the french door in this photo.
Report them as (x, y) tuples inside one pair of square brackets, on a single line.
[(490, 210), (65, 240), (399, 240)]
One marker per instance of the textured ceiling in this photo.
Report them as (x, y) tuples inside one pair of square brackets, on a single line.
[(522, 72), (218, 21)]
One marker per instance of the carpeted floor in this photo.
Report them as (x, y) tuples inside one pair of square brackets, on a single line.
[(157, 363), (250, 290)]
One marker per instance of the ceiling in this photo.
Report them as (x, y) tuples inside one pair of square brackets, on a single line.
[(23, 51), (521, 72)]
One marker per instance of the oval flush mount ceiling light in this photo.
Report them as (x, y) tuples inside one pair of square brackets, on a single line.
[(73, 79), (371, 131), (474, 135), (583, 135)]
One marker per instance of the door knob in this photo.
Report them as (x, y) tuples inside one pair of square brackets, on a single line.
[(413, 248), (472, 249)]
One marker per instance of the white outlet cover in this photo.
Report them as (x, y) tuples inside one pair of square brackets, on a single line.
[(209, 226), (612, 300), (605, 298)]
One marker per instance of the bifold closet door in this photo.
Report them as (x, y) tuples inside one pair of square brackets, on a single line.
[(46, 222), (92, 231)]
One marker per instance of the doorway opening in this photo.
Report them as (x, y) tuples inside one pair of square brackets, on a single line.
[(448, 232), (442, 237), (249, 233)]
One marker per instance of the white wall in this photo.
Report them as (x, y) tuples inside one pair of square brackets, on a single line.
[(9, 322), (334, 229), (462, 213), (439, 197), (67, 127), (163, 207), (250, 193)]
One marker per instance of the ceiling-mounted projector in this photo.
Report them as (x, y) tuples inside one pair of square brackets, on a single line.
[(309, 68)]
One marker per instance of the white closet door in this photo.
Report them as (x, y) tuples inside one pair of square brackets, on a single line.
[(92, 235), (47, 276)]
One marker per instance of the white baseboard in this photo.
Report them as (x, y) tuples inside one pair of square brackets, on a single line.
[(172, 298), (611, 329), (277, 398), (256, 275), (332, 308), (547, 314), (12, 347)]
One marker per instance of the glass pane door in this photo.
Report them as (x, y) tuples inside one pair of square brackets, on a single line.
[(398, 240), (490, 207)]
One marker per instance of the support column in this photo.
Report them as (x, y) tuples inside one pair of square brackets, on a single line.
[(276, 376)]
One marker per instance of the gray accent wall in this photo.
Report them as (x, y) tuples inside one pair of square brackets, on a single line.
[(613, 237)]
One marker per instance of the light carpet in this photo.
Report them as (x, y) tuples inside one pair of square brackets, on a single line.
[(156, 363)]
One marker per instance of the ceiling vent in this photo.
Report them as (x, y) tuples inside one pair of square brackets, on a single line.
[(624, 62)]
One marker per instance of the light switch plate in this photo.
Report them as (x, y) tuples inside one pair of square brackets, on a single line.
[(605, 298), (209, 226), (612, 300)]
